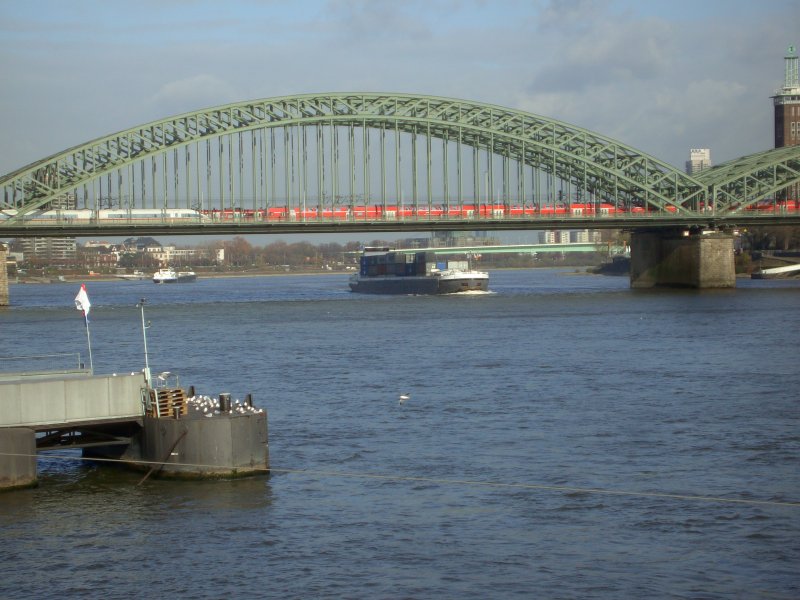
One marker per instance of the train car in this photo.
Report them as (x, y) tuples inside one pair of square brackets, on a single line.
[(550, 210), (54, 217), (773, 206), (152, 215), (111, 216)]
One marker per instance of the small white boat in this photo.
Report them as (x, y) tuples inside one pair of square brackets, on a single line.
[(169, 275), (776, 272), (135, 276)]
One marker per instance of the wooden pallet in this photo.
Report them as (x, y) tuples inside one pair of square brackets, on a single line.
[(165, 403)]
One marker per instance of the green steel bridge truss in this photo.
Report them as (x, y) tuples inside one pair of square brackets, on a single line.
[(351, 149)]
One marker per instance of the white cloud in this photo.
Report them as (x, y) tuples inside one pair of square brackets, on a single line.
[(192, 93)]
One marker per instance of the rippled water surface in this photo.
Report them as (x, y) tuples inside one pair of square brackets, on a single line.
[(522, 402)]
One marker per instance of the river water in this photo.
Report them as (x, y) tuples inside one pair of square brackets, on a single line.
[(566, 437)]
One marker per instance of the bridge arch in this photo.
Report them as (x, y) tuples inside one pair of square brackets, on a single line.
[(739, 184), (151, 163)]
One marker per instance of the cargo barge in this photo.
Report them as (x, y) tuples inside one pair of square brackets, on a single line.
[(383, 271)]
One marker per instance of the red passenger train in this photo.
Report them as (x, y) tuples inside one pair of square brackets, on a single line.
[(372, 212), (378, 212)]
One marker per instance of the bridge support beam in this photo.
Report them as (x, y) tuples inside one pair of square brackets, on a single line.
[(3, 276), (676, 258), (17, 458)]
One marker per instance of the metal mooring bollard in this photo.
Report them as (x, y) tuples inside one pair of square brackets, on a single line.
[(224, 403)]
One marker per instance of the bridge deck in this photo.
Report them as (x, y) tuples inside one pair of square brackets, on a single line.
[(315, 227), (71, 400)]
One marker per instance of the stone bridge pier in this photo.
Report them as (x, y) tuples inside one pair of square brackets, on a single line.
[(681, 258)]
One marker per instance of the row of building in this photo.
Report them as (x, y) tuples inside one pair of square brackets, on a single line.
[(102, 256)]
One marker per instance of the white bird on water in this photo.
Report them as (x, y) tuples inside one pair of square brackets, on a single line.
[(404, 397)]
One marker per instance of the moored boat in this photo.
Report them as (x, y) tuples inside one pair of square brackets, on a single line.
[(383, 271), (169, 275), (777, 272), (166, 275), (135, 276), (186, 276)]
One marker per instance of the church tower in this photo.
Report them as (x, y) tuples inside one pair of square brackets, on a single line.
[(787, 103)]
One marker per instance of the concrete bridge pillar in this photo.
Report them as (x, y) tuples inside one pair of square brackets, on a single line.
[(17, 457), (3, 276), (676, 258)]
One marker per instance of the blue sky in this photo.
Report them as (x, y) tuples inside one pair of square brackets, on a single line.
[(662, 76)]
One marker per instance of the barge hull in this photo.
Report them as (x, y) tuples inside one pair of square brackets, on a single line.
[(418, 285)]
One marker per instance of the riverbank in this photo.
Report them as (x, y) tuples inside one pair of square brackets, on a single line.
[(200, 275)]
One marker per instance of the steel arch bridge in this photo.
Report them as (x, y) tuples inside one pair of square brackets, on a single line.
[(378, 162)]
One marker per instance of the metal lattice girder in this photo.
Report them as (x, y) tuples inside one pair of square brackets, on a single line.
[(591, 161), (743, 182)]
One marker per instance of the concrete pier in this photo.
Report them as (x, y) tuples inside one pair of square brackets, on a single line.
[(181, 440), (202, 448), (676, 258), (60, 407), (17, 458), (163, 431)]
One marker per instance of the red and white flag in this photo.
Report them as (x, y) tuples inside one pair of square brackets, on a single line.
[(82, 301)]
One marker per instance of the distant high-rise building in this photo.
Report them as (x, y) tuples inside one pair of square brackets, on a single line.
[(787, 103), (699, 160), (57, 250)]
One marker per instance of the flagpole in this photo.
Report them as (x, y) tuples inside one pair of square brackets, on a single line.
[(89, 342), (82, 303), (140, 305)]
